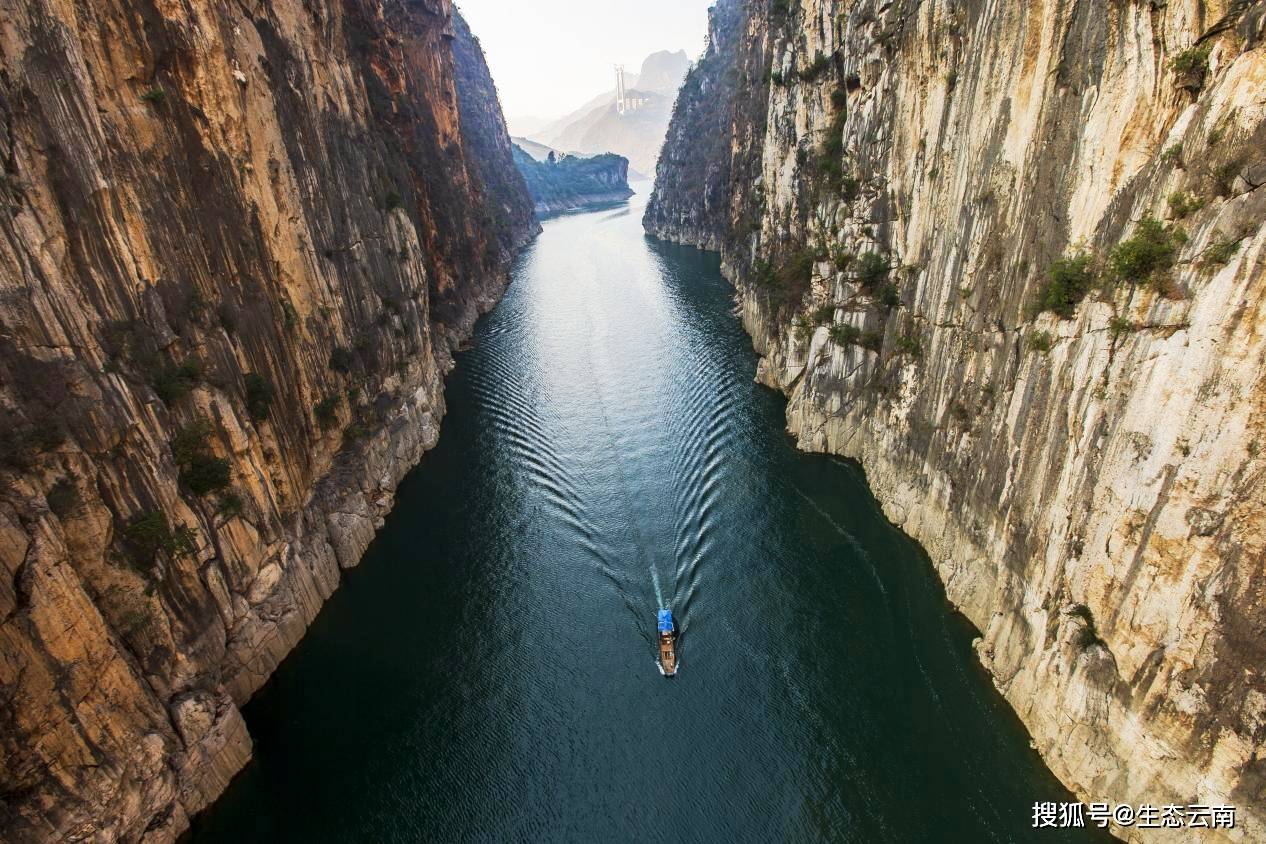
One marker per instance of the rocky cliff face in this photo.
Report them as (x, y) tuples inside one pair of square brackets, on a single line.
[(240, 242), (1010, 257)]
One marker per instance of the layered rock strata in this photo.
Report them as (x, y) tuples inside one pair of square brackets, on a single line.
[(239, 243), (1009, 256)]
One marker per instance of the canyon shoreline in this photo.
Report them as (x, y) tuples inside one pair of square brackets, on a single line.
[(890, 185), (237, 275)]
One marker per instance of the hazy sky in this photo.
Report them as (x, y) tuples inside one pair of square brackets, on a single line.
[(549, 56)]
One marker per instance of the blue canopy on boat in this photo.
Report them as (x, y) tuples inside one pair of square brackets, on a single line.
[(665, 621)]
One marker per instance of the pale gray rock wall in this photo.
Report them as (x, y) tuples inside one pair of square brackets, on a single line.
[(1095, 508)]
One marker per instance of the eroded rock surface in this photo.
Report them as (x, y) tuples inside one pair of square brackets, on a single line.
[(893, 183), (239, 243)]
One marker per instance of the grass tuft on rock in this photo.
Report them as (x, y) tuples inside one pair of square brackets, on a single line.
[(1219, 254)]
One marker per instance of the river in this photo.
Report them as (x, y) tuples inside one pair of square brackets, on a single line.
[(488, 672)]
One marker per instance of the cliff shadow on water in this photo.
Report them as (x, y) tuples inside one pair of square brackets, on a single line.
[(488, 671)]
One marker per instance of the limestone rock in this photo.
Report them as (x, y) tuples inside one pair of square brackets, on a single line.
[(1107, 460), (256, 229)]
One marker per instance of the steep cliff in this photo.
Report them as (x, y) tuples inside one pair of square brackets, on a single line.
[(1009, 256), (572, 181), (695, 181), (238, 245), (489, 151)]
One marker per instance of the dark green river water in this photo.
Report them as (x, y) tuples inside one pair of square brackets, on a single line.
[(488, 674)]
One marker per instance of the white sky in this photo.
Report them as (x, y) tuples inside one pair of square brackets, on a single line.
[(549, 56)]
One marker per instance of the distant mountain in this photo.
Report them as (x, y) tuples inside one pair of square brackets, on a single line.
[(638, 134), (555, 128), (538, 151), (663, 71)]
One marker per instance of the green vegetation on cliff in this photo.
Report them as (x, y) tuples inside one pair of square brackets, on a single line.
[(571, 181)]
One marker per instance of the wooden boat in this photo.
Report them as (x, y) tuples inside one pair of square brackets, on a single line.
[(667, 644)]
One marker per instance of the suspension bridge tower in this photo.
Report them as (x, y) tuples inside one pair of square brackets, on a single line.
[(621, 100)]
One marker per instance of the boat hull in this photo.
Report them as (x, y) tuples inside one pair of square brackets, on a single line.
[(667, 642), (668, 661)]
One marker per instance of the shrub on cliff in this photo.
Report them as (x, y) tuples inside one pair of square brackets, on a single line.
[(206, 474), (1218, 254), (872, 270), (63, 497), (830, 159), (1195, 59), (342, 360), (173, 381), (1183, 204), (354, 432), (797, 272), (851, 335), (910, 346), (845, 335), (835, 179), (787, 282), (1191, 66), (1041, 341), (201, 472), (289, 316), (888, 296), (191, 440), (848, 188), (147, 535), (326, 412), (816, 68), (259, 396), (803, 328), (227, 315), (22, 442), (1119, 326), (1151, 250), (229, 505), (1068, 282)]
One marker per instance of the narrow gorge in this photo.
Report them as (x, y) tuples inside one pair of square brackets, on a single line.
[(241, 243), (996, 266), (1009, 256)]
